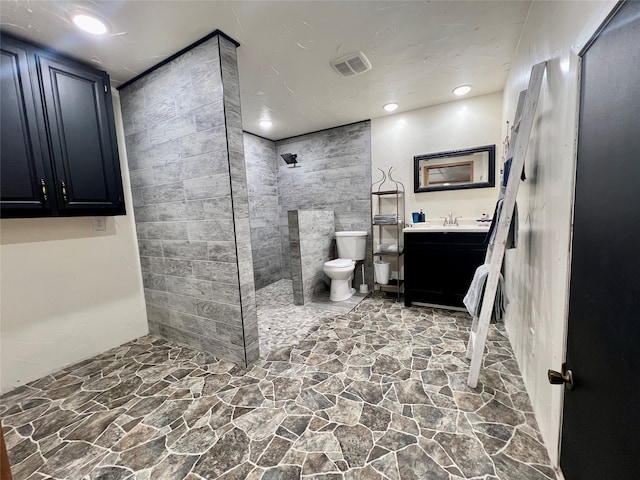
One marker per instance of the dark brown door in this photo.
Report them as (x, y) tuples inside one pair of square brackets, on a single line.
[(601, 419)]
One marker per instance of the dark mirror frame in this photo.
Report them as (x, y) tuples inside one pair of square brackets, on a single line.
[(491, 182)]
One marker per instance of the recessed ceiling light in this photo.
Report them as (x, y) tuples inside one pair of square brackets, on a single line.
[(265, 123), (462, 90), (89, 23), (390, 107)]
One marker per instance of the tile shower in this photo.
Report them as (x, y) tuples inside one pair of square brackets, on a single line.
[(334, 173), (186, 159), (211, 220)]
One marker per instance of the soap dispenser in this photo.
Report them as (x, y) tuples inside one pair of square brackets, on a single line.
[(422, 217)]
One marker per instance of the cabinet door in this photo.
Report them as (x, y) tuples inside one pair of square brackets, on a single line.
[(440, 266), (24, 171), (82, 140)]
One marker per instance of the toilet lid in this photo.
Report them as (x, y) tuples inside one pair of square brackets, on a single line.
[(340, 262)]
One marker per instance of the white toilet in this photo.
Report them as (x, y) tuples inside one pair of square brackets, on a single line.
[(352, 246)]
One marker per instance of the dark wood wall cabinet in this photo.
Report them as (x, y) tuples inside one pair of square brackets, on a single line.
[(59, 155), (439, 266)]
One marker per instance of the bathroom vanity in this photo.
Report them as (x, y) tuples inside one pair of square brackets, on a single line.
[(440, 262)]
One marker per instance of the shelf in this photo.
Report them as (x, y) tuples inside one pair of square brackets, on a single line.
[(388, 192), (388, 254), (392, 286), (389, 213)]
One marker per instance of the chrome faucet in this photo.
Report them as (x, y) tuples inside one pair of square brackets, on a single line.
[(451, 220)]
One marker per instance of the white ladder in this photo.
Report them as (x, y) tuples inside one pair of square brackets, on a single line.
[(521, 131)]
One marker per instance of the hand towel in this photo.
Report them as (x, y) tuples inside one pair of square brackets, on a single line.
[(512, 237), (475, 294)]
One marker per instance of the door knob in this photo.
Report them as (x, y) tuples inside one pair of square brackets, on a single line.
[(557, 378)]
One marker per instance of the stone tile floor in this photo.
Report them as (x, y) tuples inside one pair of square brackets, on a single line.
[(377, 393), (281, 323)]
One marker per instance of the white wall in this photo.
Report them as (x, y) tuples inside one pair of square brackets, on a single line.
[(472, 122), (537, 272), (67, 292)]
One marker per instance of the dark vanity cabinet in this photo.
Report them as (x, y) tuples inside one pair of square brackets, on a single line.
[(58, 154), (439, 266)]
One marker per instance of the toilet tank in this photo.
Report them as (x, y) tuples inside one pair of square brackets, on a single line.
[(352, 245)]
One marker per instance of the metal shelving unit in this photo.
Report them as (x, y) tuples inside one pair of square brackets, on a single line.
[(390, 202)]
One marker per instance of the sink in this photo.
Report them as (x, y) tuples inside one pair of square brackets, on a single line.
[(435, 227)]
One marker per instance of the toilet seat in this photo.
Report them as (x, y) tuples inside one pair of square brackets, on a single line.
[(339, 263)]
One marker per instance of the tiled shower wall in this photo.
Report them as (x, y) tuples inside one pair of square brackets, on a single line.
[(334, 173), (312, 242), (262, 182), (186, 159)]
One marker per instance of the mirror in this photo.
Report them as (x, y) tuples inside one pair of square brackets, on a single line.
[(455, 170)]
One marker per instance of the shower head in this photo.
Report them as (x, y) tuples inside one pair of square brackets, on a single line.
[(290, 158)]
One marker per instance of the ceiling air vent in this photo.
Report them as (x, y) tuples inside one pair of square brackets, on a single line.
[(351, 64)]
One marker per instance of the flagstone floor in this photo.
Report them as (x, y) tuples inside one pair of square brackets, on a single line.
[(376, 393)]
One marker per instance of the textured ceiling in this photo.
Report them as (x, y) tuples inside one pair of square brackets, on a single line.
[(419, 50)]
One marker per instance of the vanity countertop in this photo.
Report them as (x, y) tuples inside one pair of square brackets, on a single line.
[(438, 227)]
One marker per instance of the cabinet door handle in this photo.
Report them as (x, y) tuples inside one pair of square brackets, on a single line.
[(43, 189), (64, 192)]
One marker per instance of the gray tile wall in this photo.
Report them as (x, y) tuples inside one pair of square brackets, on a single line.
[(239, 198), (185, 151), (262, 183), (312, 242), (334, 173)]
